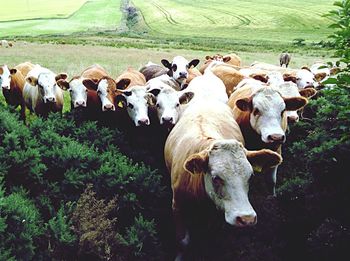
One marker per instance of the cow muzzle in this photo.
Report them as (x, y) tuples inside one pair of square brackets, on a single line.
[(108, 107), (6, 87), (50, 100), (276, 138), (143, 122), (78, 104)]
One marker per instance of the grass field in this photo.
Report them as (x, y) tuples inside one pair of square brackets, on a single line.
[(34, 9), (240, 20), (94, 15)]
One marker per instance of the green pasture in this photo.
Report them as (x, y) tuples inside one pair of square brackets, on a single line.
[(34, 9), (94, 15), (266, 20)]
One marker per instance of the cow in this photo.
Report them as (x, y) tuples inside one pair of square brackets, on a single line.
[(192, 73), (290, 89), (219, 59), (78, 91), (169, 103), (285, 59), (41, 92), (261, 116), (208, 164), (4, 43), (12, 82), (233, 59), (176, 73)]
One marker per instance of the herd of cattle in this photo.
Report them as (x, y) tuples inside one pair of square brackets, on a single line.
[(222, 119)]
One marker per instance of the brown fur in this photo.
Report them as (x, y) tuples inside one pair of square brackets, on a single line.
[(235, 60), (192, 73), (229, 76), (153, 71), (135, 77), (24, 68)]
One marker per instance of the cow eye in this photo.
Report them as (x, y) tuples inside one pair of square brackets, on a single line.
[(157, 105), (130, 105), (86, 90), (70, 90), (178, 104), (256, 112)]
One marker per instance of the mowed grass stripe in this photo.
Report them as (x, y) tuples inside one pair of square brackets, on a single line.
[(32, 9), (94, 15), (241, 20)]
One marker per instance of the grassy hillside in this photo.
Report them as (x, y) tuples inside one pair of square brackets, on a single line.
[(238, 20), (33, 9), (95, 15)]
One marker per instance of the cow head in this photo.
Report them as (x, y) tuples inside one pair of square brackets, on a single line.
[(305, 78), (47, 85), (77, 90), (226, 166), (5, 77), (137, 101), (267, 113), (178, 68), (289, 90), (168, 104)]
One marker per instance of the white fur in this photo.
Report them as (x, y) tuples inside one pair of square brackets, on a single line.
[(290, 89), (305, 78), (269, 120), (137, 100), (5, 78), (102, 93), (182, 67), (78, 93), (228, 161), (275, 78)]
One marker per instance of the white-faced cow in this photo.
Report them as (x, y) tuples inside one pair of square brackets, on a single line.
[(208, 164), (262, 118), (41, 92)]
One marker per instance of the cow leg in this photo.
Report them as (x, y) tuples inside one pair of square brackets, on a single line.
[(182, 235), (270, 178), (23, 113)]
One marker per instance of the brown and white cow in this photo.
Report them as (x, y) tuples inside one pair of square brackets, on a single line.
[(233, 59), (208, 163), (285, 59), (12, 82), (261, 116), (41, 92), (78, 91), (129, 78)]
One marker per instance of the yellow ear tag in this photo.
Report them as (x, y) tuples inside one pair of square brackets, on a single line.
[(257, 169), (120, 104)]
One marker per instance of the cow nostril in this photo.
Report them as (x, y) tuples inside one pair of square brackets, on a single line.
[(276, 138), (143, 122), (293, 119), (167, 119), (247, 220)]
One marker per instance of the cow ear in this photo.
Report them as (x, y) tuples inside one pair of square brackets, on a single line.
[(226, 59), (63, 84), (193, 63), (32, 80), (245, 104), (197, 163), (295, 103), (120, 100), (320, 76), (308, 92), (63, 76), (263, 158), (289, 78), (123, 83), (155, 91), (90, 84), (166, 63), (151, 99), (306, 68), (260, 77), (13, 71), (186, 97)]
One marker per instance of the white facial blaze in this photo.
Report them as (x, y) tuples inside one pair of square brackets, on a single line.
[(305, 78), (102, 93), (181, 72), (290, 89), (47, 86), (137, 105), (226, 181), (78, 93), (275, 78), (5, 78), (266, 117)]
